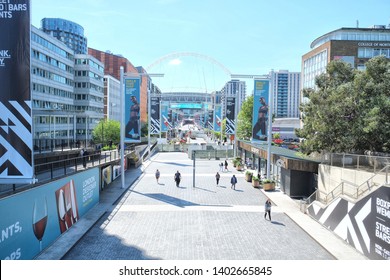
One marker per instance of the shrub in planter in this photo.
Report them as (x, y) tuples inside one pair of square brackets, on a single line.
[(268, 185), (248, 176), (255, 181)]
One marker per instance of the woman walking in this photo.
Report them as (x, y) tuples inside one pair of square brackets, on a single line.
[(267, 209)]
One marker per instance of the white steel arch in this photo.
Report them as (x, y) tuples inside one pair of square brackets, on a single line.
[(192, 54)]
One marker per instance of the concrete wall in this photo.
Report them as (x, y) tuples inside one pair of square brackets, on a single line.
[(329, 177)]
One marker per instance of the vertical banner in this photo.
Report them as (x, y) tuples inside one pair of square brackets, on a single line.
[(155, 124), (260, 110), (165, 124), (230, 114), (218, 118), (16, 160), (132, 110), (210, 120)]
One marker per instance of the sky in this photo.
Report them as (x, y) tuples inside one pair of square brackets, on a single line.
[(197, 44)]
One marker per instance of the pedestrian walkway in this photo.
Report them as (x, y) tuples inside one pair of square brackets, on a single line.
[(150, 220)]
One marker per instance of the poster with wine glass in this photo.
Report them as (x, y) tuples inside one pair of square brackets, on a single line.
[(34, 219)]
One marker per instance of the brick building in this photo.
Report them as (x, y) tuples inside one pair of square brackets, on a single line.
[(112, 64)]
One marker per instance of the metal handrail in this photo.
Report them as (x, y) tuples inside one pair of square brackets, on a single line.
[(357, 192)]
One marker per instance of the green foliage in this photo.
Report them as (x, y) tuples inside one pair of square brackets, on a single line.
[(244, 119), (106, 131), (144, 130), (268, 181), (349, 111), (255, 178)]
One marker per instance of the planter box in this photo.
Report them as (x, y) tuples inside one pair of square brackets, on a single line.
[(268, 186), (248, 178), (240, 167), (256, 184)]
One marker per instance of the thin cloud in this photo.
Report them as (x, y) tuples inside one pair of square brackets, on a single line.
[(175, 61)]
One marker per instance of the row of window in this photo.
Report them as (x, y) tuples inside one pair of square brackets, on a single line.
[(370, 52), (84, 73), (89, 86), (89, 62), (48, 45), (51, 76), (52, 91), (54, 62)]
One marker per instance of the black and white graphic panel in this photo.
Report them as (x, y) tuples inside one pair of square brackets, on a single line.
[(16, 161)]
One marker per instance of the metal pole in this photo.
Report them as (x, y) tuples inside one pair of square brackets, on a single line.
[(269, 139), (122, 144), (193, 169), (235, 124), (149, 121)]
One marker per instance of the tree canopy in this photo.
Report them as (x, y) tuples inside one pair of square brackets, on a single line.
[(244, 119), (106, 131), (349, 111)]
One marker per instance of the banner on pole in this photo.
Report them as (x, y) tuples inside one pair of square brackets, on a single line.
[(132, 110), (260, 110), (155, 123), (16, 151), (165, 123), (218, 118), (230, 115)]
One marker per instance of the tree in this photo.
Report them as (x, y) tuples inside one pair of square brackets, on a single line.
[(244, 119), (350, 109), (106, 131)]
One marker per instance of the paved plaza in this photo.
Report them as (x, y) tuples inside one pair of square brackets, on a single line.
[(159, 221)]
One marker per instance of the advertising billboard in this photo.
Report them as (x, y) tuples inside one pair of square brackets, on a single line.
[(16, 160), (132, 110), (365, 225), (260, 110), (34, 219)]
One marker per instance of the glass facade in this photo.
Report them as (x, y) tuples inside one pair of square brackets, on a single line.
[(66, 31)]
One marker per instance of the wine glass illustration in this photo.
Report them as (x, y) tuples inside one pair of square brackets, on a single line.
[(39, 218)]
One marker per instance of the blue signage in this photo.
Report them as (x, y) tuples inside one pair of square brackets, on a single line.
[(260, 110), (34, 219)]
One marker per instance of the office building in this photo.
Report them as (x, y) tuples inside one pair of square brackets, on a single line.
[(67, 93), (112, 96), (353, 45)]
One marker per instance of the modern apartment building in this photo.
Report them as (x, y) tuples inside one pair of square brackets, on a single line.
[(67, 92), (286, 93), (72, 34), (353, 45), (233, 88)]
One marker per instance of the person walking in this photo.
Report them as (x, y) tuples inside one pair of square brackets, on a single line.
[(226, 166), (233, 181), (157, 175), (177, 178), (217, 177), (267, 209), (221, 167)]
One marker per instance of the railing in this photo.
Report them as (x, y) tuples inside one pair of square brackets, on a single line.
[(353, 191), (46, 172), (370, 163)]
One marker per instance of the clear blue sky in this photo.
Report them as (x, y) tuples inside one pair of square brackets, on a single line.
[(246, 36)]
